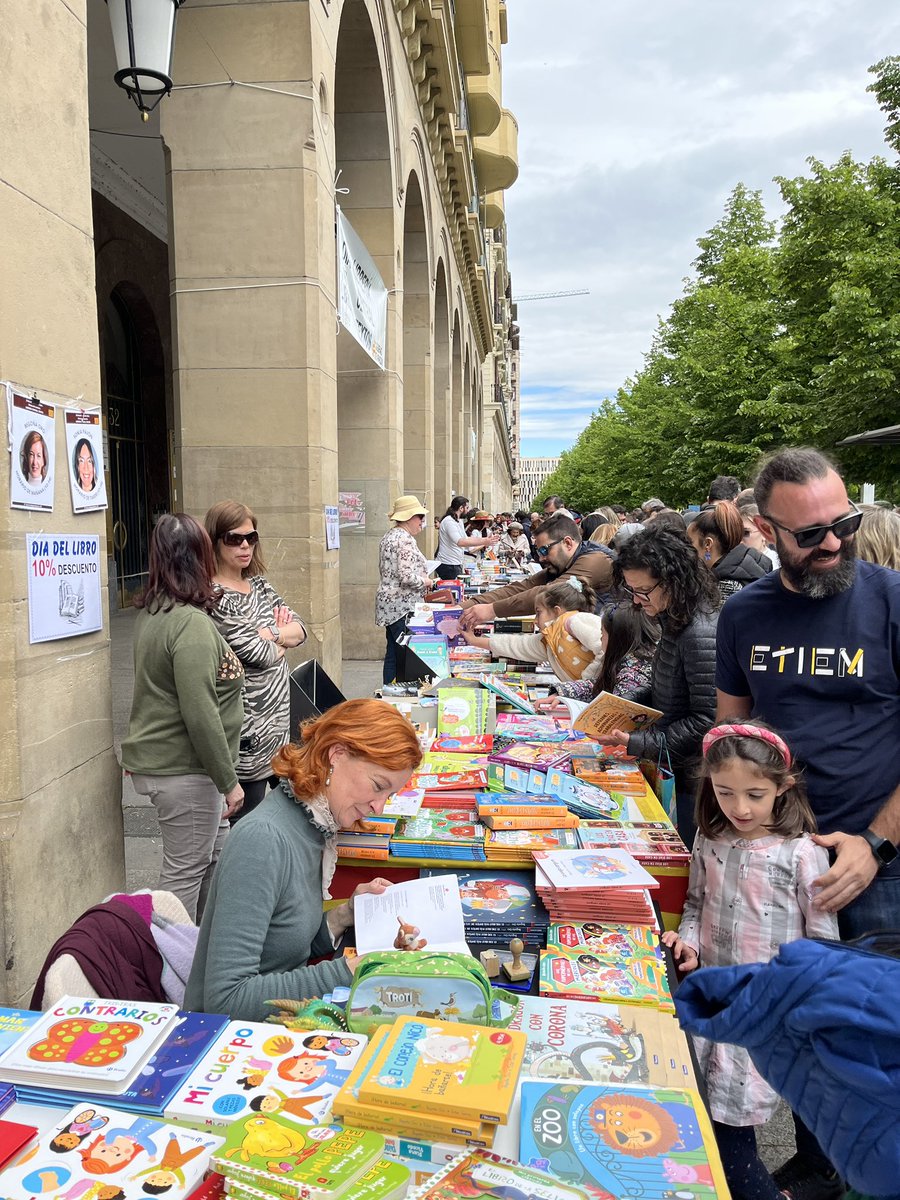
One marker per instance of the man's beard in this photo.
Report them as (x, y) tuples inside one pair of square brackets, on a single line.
[(818, 585)]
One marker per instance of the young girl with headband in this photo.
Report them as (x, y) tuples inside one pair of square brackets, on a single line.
[(569, 632), (751, 889)]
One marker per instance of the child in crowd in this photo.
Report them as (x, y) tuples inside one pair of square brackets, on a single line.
[(629, 643), (753, 870), (569, 632)]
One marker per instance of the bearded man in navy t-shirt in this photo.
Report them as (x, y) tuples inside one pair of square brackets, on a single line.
[(814, 650)]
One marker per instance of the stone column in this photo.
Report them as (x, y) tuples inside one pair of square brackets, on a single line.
[(61, 844), (252, 264)]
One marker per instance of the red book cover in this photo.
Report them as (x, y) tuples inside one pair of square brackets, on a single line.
[(13, 1137)]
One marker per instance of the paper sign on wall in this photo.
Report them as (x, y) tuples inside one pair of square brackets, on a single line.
[(63, 585), (352, 510), (332, 527), (32, 445), (362, 296), (84, 443)]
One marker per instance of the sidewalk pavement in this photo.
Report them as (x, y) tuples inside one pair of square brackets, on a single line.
[(143, 849)]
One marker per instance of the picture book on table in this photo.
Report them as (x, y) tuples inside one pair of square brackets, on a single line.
[(458, 1070), (531, 754), (160, 1076), (522, 726), (440, 825), (576, 869), (319, 1162), (508, 694), (462, 715), (591, 975), (519, 804), (607, 713), (13, 1023), (410, 916), (96, 1043), (602, 937), (601, 1042), (621, 1141), (458, 744), (648, 843), (256, 1068), (130, 1156), (481, 1175), (530, 840)]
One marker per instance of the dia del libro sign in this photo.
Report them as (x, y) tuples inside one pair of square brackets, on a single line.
[(63, 585)]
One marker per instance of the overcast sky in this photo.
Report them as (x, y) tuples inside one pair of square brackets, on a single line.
[(636, 120)]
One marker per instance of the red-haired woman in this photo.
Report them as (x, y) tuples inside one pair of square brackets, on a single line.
[(182, 743), (265, 918)]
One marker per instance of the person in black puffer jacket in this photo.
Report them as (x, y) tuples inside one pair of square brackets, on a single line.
[(717, 535), (660, 571)]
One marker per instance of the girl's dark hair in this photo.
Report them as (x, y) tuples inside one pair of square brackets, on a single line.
[(723, 522), (791, 815), (570, 599), (455, 505), (591, 522), (668, 518), (671, 559), (182, 565), (628, 631)]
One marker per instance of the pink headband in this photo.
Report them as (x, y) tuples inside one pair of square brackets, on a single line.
[(753, 731)]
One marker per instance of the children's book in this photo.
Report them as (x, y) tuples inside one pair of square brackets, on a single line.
[(96, 1044), (601, 1042), (485, 1176), (625, 941), (592, 975), (458, 744), (531, 754), (622, 1141), (462, 716), (650, 843), (436, 1066), (255, 1068), (13, 1023), (286, 1159), (132, 1156), (577, 869), (13, 1136), (410, 916), (440, 833), (519, 804), (520, 844), (160, 1076), (607, 713), (434, 652), (508, 694), (499, 905), (521, 727)]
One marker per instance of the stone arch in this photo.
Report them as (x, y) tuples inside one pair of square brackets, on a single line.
[(457, 458), (443, 421), (418, 381), (468, 432)]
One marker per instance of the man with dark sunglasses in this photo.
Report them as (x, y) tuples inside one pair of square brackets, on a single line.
[(562, 554), (814, 649)]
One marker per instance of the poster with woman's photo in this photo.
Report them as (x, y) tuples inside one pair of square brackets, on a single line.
[(32, 442), (84, 448)]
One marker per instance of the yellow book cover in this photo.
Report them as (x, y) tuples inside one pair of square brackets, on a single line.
[(569, 821), (439, 1066), (401, 1122)]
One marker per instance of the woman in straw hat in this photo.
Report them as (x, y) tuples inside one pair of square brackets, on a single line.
[(404, 576)]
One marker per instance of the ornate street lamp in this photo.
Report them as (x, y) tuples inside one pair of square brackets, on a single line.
[(143, 36)]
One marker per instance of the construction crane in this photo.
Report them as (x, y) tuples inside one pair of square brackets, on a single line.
[(551, 295)]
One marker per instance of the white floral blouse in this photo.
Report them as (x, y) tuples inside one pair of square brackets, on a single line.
[(403, 570)]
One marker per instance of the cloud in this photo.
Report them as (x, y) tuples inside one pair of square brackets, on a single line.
[(635, 124)]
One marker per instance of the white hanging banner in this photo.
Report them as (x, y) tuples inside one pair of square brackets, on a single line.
[(84, 442), (32, 444), (362, 296)]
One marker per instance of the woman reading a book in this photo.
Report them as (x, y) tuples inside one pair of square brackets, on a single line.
[(265, 918)]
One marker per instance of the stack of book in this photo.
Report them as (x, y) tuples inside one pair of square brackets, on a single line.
[(594, 885), (652, 844), (370, 838), (256, 1069), (189, 1037), (498, 906), (532, 755), (481, 1174), (462, 711), (518, 810), (438, 1079), (272, 1156), (522, 726), (621, 1141), (615, 963), (520, 845), (440, 834), (131, 1156)]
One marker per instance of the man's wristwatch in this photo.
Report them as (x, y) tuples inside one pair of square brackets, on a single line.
[(885, 851)]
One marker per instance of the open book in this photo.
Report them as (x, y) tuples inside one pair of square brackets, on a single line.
[(607, 712), (417, 915)]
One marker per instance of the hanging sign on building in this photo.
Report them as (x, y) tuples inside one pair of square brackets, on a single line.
[(362, 296), (84, 443), (32, 443), (63, 585)]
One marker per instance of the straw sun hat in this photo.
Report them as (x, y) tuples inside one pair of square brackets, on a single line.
[(406, 507)]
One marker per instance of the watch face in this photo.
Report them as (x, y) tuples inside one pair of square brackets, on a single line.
[(886, 851)]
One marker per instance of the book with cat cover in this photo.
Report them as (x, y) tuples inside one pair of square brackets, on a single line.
[(622, 1141), (436, 1066), (602, 1043), (133, 1156), (484, 1176), (592, 975), (160, 1076), (256, 1068), (93, 1043), (320, 1162)]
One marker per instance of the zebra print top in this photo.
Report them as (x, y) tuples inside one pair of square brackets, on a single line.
[(267, 713)]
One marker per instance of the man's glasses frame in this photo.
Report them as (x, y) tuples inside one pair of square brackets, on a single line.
[(811, 536), (543, 551), (238, 539)]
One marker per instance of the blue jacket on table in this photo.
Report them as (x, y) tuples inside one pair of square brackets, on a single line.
[(822, 1026)]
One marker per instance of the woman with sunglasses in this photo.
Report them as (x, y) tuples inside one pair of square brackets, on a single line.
[(658, 569), (182, 742), (259, 627)]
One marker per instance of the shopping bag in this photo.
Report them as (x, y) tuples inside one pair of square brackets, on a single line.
[(661, 778)]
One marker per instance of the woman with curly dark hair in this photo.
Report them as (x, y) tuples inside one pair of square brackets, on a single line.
[(659, 570)]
